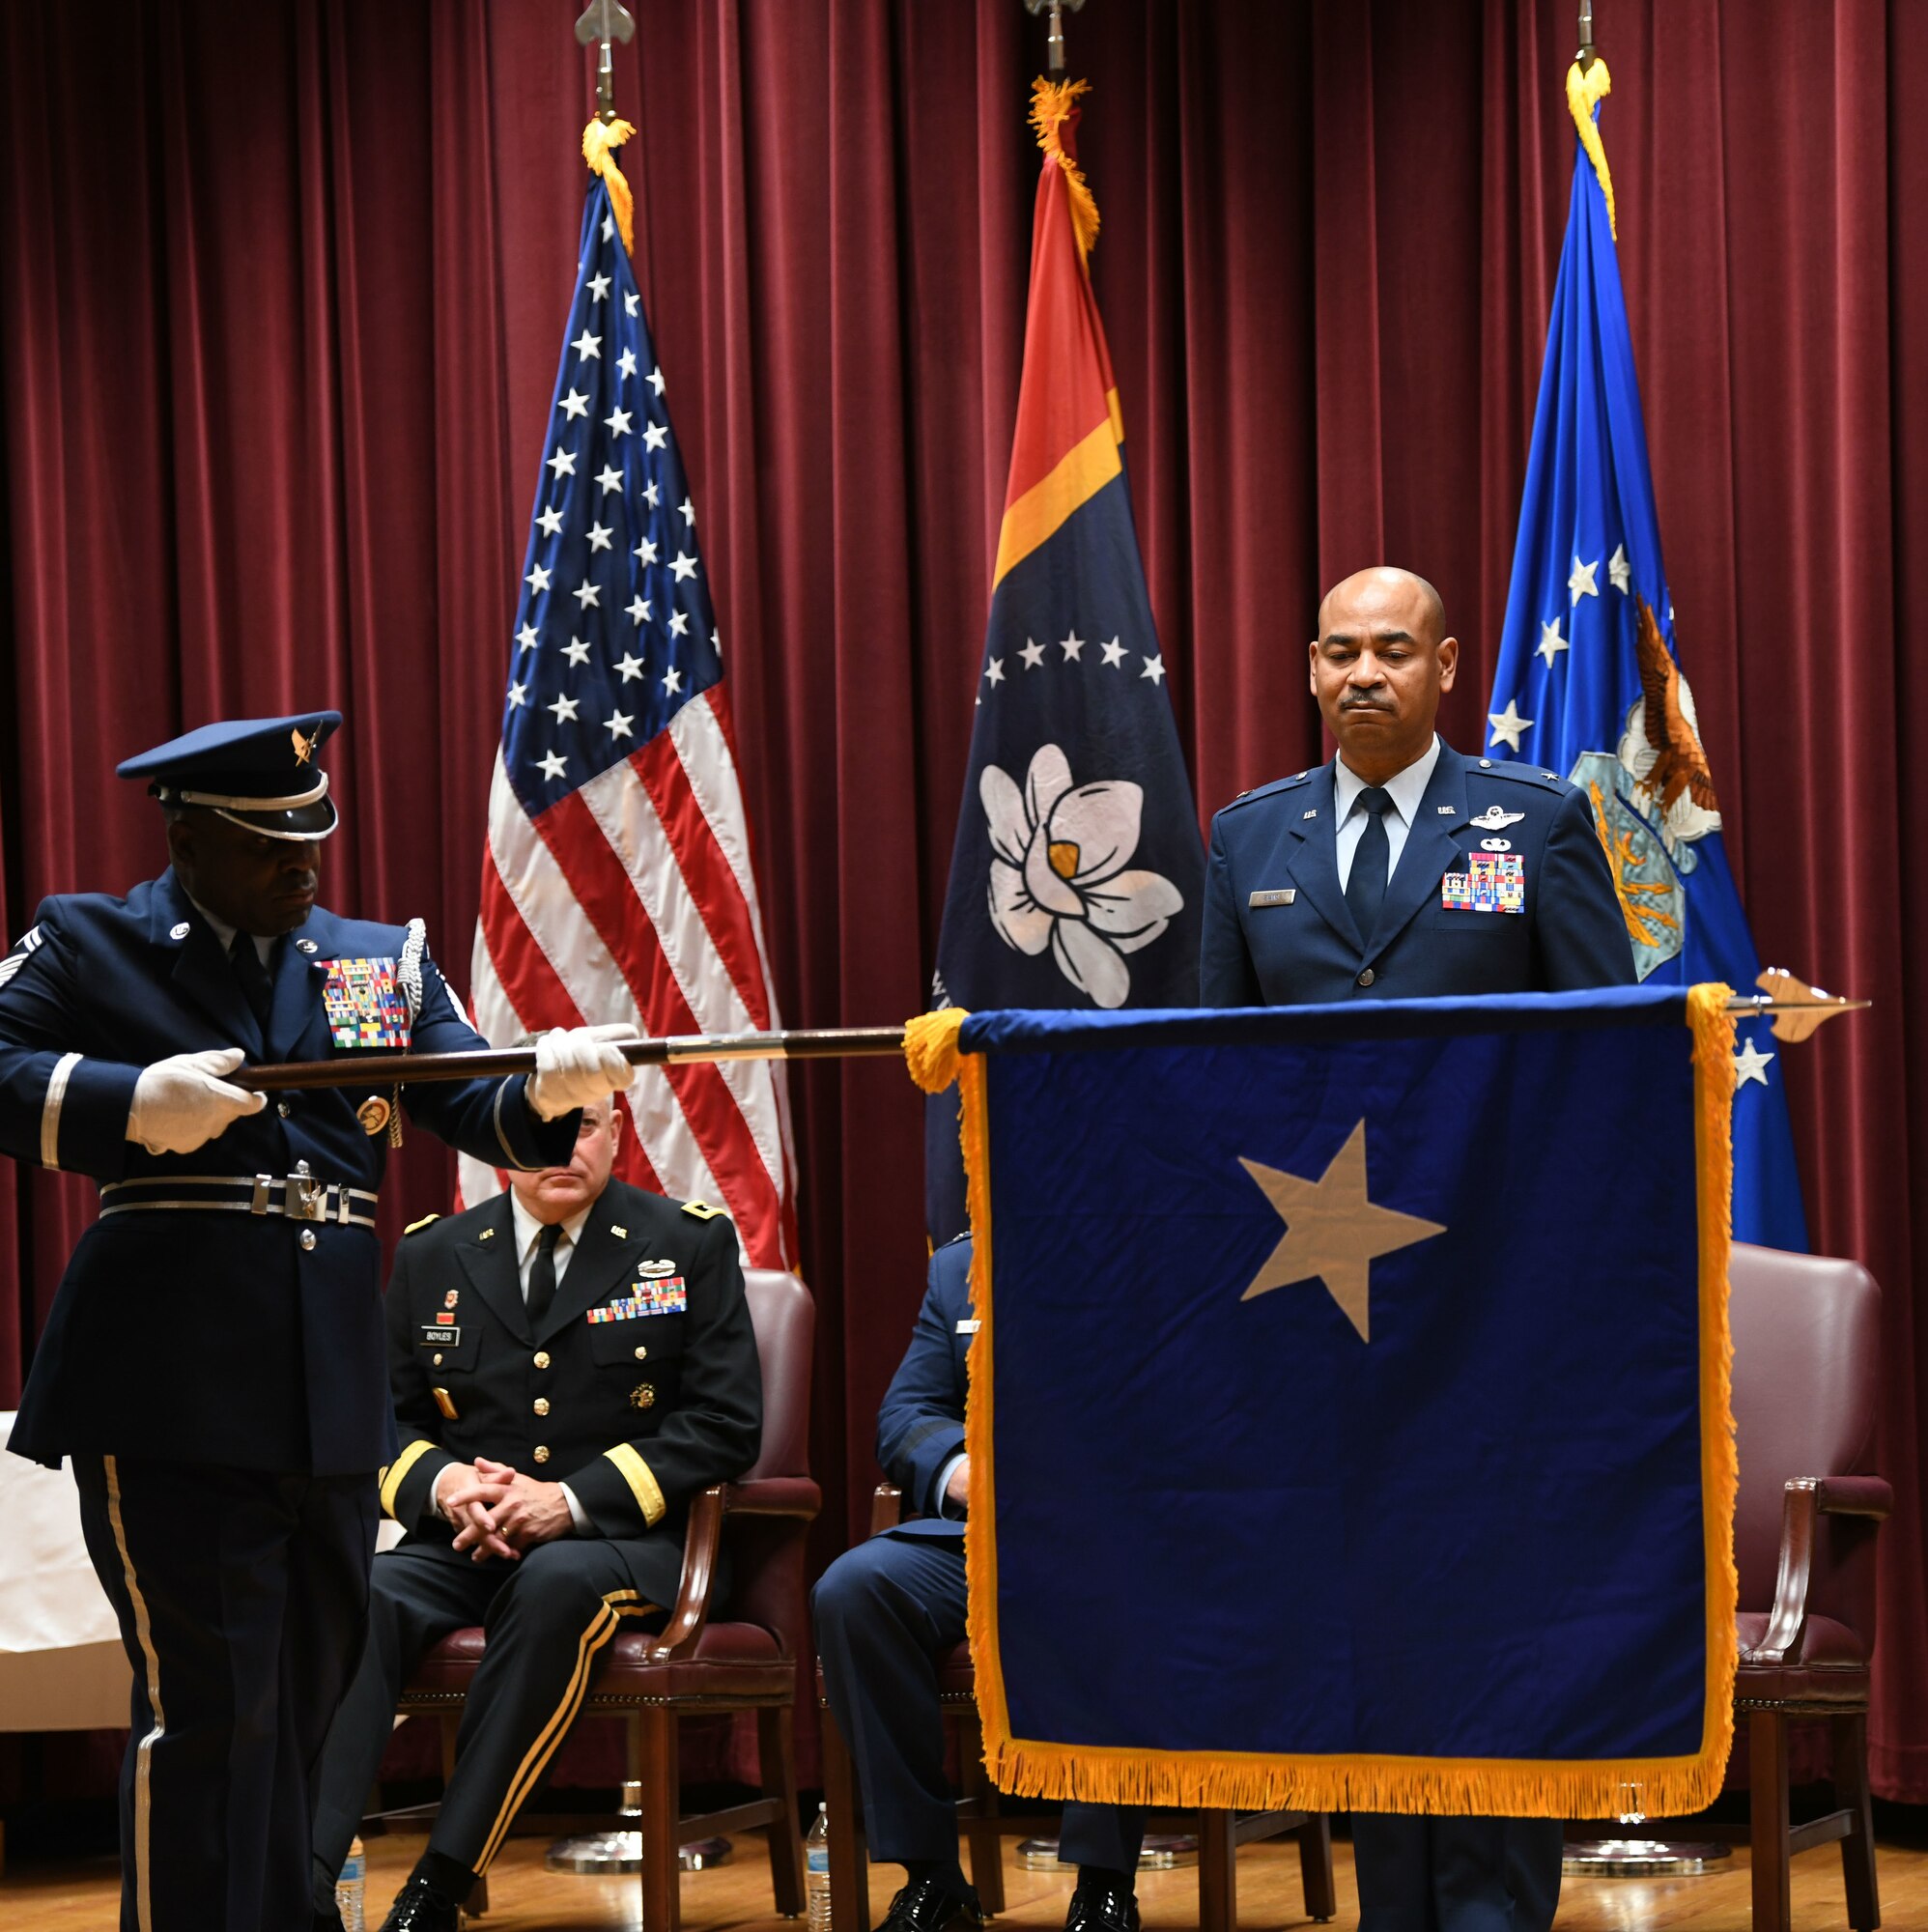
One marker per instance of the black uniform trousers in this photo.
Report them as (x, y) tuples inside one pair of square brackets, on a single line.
[(548, 1618), (240, 1596), (1456, 1874), (885, 1612)]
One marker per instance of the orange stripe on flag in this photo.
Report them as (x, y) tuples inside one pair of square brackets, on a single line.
[(1042, 509)]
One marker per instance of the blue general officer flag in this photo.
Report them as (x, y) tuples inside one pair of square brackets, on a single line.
[(1589, 684), (1343, 1361), (1077, 870)]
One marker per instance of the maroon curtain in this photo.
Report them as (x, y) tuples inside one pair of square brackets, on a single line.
[(282, 290)]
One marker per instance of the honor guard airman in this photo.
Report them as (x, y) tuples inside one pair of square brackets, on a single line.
[(571, 1363), (212, 1364)]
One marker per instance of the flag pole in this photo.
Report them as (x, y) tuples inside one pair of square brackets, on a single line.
[(604, 21), (1053, 40), (1804, 1007)]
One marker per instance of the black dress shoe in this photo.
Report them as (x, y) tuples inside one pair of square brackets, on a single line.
[(420, 1908), (925, 1906), (1100, 1906)]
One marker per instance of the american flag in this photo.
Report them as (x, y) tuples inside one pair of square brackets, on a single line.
[(617, 881)]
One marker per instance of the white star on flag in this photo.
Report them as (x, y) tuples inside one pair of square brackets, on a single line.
[(673, 679), (1032, 654), (679, 624), (1750, 1063), (654, 436), (575, 651), (629, 665), (526, 638), (537, 578), (995, 671), (575, 404), (1154, 668), (550, 522), (619, 725), (517, 692), (611, 478), (638, 610), (626, 362), (599, 536), (1073, 646), (553, 766), (617, 423), (655, 380), (598, 287), (564, 709), (1580, 582), (563, 463), (1622, 572), (1550, 643), (1114, 653), (585, 594), (683, 565), (587, 346), (1507, 726)]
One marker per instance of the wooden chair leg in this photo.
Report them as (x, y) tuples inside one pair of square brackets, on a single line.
[(1850, 1742), (1321, 1899), (843, 1813), (1218, 1875), (662, 1805), (777, 1761), (1768, 1821), (980, 1827), (448, 1725)]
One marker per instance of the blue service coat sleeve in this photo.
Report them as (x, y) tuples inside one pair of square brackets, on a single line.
[(57, 1107), (920, 1423), (1226, 975), (1581, 932)]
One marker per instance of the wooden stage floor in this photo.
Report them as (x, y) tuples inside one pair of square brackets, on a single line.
[(735, 1897)]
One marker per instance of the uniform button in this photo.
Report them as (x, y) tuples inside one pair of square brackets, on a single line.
[(1367, 978), (542, 1358), (542, 1405), (307, 1237), (642, 1355), (541, 1453), (437, 1361), (283, 1108), (1486, 764)]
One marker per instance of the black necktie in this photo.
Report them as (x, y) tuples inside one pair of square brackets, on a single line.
[(1366, 886), (542, 1273), (255, 986)]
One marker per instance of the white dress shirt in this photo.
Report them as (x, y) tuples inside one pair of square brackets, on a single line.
[(528, 1232), (1405, 788)]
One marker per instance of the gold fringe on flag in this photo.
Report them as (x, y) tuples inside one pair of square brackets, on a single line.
[(1051, 106), (1254, 1781), (599, 146), (1584, 93)]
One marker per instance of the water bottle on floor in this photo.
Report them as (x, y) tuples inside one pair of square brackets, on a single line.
[(350, 1888), (816, 1871)]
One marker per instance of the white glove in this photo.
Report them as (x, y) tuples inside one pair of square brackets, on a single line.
[(577, 1064), (183, 1103)]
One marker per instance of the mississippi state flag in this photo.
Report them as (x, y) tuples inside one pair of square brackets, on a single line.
[(1077, 868)]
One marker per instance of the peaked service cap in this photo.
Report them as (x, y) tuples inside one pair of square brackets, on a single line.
[(260, 773)]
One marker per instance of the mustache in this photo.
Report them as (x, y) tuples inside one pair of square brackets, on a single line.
[(1364, 704)]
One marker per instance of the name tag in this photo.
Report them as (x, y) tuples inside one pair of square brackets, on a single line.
[(1279, 896), (439, 1338), (969, 1328)]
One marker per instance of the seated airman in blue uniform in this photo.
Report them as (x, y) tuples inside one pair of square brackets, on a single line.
[(213, 1364), (888, 1610)]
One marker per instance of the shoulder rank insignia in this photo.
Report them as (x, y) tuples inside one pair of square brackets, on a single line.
[(701, 1210), (416, 1227)]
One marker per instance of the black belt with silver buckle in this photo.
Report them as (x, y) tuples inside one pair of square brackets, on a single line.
[(299, 1197)]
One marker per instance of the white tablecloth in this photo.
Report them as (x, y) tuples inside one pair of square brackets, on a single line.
[(62, 1667)]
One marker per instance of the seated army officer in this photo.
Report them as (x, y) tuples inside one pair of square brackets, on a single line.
[(570, 1365), (886, 1610)]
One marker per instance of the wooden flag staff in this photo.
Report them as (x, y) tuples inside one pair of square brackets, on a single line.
[(1798, 1010)]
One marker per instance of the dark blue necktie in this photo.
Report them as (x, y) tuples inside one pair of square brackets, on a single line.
[(257, 988), (1365, 884)]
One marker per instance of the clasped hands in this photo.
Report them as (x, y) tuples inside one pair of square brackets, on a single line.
[(498, 1513)]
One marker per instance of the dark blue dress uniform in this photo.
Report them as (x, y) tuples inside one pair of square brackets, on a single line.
[(1278, 932), (886, 1610), (634, 1403), (213, 1361)]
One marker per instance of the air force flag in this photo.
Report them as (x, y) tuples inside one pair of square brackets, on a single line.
[(1588, 681)]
